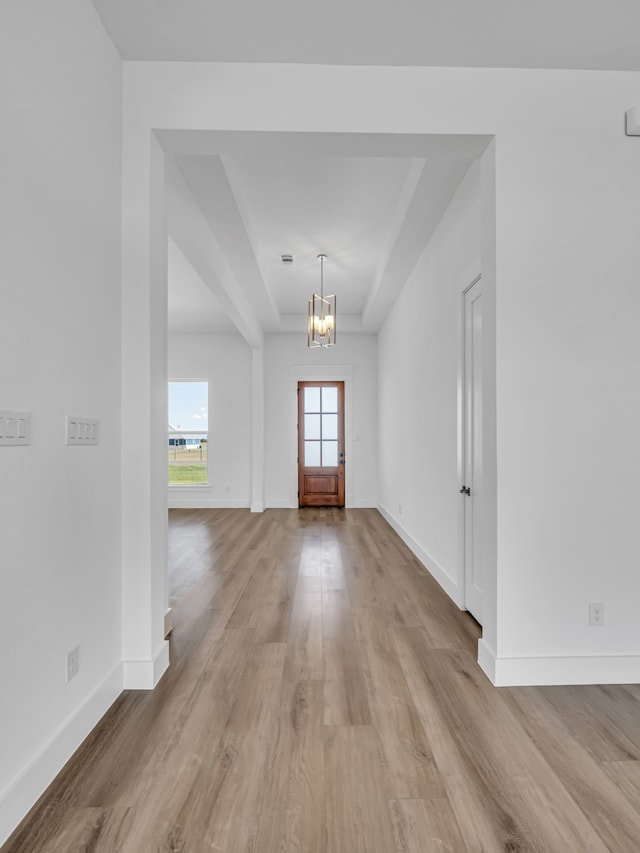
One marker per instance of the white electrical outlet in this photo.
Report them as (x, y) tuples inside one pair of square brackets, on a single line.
[(596, 613), (73, 663)]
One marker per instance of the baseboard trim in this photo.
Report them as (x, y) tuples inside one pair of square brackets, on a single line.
[(257, 507), (487, 660), (168, 622), (21, 794), (195, 502), (558, 670), (448, 584), (145, 674)]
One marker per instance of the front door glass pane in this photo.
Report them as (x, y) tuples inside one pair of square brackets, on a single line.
[(312, 454), (312, 427), (329, 427), (312, 399), (330, 399), (329, 454)]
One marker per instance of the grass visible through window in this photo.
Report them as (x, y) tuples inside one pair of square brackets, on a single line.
[(188, 465)]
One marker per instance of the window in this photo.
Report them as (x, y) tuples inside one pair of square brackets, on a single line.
[(321, 426), (188, 432)]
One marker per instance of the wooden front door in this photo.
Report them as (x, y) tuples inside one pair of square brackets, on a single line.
[(321, 443)]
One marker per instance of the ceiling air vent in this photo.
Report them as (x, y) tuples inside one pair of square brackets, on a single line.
[(286, 259)]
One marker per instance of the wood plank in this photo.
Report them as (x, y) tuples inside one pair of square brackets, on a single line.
[(331, 565), (250, 602), (235, 581), (411, 766), (395, 599), (236, 790), (122, 777), (179, 795), (309, 562), (272, 624), (362, 582), (274, 616), (91, 830), (626, 777), (304, 660), (615, 819), (258, 695), (293, 815), (504, 794), (195, 600), (602, 717), (356, 792), (423, 826), (174, 813), (346, 698), (172, 793)]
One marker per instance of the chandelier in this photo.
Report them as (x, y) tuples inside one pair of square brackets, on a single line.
[(321, 323)]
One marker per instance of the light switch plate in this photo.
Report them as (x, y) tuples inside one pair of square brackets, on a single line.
[(81, 430), (633, 121), (15, 428)]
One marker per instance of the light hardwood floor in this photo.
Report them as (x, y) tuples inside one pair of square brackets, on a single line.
[(324, 697)]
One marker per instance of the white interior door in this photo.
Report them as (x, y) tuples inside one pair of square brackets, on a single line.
[(471, 491)]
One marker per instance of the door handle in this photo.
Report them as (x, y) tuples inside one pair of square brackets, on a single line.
[(465, 490)]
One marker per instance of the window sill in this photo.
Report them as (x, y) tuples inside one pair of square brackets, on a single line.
[(196, 487)]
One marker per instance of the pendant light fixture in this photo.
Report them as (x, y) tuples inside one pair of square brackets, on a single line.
[(321, 324)]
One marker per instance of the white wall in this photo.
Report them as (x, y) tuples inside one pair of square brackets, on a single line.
[(60, 331), (287, 360), (566, 261), (568, 414), (224, 361), (419, 348)]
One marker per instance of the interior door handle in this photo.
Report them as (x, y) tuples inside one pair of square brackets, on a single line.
[(465, 490)]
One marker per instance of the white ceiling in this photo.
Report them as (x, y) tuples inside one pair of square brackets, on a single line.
[(369, 203), (305, 205), (366, 214), (599, 34), (370, 211), (192, 307)]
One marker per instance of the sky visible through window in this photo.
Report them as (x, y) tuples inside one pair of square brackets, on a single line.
[(189, 406)]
